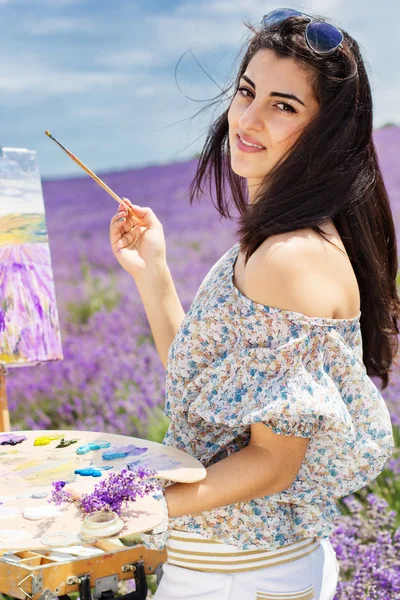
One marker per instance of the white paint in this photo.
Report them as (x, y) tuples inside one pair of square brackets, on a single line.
[(34, 513), (55, 540), (80, 550), (6, 513)]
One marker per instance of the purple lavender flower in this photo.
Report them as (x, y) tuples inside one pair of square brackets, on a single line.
[(118, 488), (367, 545), (112, 492), (58, 494)]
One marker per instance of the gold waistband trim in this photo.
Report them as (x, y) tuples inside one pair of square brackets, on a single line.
[(258, 554), (306, 594), (179, 538), (231, 562)]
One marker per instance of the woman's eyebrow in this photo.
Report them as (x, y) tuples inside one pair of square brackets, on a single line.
[(281, 94)]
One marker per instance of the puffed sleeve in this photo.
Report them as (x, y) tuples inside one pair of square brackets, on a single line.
[(313, 386)]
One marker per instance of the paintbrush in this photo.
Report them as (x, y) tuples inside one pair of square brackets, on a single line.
[(134, 218)]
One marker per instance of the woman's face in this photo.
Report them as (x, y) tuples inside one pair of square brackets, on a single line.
[(263, 113)]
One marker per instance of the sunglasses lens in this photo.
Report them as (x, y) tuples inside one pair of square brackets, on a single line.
[(323, 37), (278, 15)]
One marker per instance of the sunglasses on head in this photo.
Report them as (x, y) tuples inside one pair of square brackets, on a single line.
[(322, 37)]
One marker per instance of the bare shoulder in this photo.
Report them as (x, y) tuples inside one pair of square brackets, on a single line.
[(293, 250), (300, 271)]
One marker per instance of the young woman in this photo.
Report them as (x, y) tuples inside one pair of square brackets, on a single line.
[(268, 374)]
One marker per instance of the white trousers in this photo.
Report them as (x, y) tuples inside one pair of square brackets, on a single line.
[(311, 577)]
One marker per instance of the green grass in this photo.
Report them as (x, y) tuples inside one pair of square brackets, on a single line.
[(97, 296)]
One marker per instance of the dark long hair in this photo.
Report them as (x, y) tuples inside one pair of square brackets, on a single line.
[(330, 172)]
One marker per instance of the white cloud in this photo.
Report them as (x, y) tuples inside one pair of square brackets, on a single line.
[(93, 112), (386, 107), (51, 3), (51, 25), (193, 31), (128, 58), (322, 7), (224, 7), (253, 9), (25, 78)]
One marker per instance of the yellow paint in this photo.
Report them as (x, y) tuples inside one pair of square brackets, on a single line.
[(27, 464), (46, 476), (46, 439), (19, 228), (6, 358)]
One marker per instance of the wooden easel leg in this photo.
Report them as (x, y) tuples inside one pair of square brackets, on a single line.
[(4, 414)]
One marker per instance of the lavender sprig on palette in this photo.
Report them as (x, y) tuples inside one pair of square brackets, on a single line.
[(58, 495), (111, 492)]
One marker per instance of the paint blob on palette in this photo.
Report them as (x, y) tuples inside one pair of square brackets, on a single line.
[(156, 462), (11, 439), (124, 451), (40, 470)]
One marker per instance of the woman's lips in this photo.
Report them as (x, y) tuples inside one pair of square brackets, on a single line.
[(245, 148)]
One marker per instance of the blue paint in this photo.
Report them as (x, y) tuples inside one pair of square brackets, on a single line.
[(123, 452), (113, 455), (92, 471), (92, 446), (89, 472)]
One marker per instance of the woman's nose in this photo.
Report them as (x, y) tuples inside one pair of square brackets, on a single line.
[(252, 118)]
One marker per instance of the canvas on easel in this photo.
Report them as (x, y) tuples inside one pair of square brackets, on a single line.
[(29, 325)]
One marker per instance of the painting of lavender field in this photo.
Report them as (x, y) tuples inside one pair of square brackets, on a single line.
[(29, 327)]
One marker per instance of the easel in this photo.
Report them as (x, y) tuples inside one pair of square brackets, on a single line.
[(4, 414), (36, 576)]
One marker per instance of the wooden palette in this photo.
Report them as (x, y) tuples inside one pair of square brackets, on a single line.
[(26, 469)]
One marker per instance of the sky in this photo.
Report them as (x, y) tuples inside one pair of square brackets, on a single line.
[(119, 82)]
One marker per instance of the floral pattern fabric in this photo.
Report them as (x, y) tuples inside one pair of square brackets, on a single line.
[(235, 362)]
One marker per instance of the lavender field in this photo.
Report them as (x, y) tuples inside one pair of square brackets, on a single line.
[(111, 377)]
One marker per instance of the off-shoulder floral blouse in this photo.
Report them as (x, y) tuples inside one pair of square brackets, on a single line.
[(234, 362)]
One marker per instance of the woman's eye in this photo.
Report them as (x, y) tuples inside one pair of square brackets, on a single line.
[(245, 89), (287, 107)]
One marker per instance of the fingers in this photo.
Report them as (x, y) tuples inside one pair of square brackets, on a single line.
[(127, 201), (123, 213), (120, 224), (118, 218), (73, 490), (132, 214), (124, 230), (128, 239), (146, 216), (116, 227)]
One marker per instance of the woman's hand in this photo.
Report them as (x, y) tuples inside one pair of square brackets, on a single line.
[(138, 249), (73, 490)]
